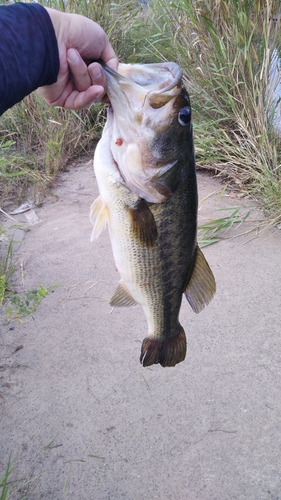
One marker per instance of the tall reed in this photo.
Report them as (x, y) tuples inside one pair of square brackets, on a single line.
[(226, 49)]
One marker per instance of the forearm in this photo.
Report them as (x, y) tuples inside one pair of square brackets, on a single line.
[(28, 52)]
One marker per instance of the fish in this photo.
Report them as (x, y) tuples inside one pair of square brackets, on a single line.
[(146, 174)]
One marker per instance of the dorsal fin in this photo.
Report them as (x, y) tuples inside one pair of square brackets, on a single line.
[(98, 217), (122, 298), (202, 286)]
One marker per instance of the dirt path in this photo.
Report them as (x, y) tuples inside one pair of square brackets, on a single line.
[(208, 429)]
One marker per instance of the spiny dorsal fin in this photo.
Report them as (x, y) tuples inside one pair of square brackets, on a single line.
[(122, 298), (202, 285), (98, 217), (143, 225)]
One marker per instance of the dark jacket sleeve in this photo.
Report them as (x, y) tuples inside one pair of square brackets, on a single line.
[(28, 52)]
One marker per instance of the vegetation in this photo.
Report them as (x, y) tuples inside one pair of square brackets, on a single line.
[(215, 230), (21, 304), (227, 50), (4, 481), (26, 303), (7, 269)]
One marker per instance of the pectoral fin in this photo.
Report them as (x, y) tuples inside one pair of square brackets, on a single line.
[(143, 225), (122, 298), (98, 217), (202, 286)]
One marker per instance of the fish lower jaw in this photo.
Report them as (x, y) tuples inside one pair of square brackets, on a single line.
[(166, 352)]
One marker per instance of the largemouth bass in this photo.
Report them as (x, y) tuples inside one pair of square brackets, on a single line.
[(145, 170)]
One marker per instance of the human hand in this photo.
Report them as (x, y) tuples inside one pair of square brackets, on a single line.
[(80, 41)]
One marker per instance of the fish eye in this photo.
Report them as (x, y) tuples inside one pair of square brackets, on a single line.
[(184, 116)]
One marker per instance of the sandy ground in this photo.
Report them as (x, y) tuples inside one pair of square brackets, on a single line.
[(208, 429)]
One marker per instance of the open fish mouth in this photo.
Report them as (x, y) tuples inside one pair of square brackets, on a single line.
[(157, 82)]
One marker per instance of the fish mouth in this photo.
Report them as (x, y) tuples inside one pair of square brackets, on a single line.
[(156, 82)]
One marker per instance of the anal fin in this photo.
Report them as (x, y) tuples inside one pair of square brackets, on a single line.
[(143, 225), (122, 298), (98, 217), (202, 286)]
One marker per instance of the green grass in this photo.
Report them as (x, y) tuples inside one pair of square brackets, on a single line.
[(17, 305), (215, 230), (36, 142), (25, 304), (4, 481), (7, 269)]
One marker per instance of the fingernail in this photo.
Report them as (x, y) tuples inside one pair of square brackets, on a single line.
[(96, 72), (73, 56)]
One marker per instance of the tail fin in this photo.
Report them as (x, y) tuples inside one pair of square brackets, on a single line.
[(166, 352)]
